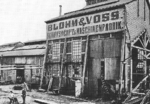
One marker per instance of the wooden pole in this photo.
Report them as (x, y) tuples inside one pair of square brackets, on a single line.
[(131, 75), (44, 64), (122, 64), (50, 83), (84, 67), (62, 63), (140, 83)]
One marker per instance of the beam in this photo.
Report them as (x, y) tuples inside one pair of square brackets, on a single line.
[(84, 67), (134, 90), (137, 38), (140, 48), (62, 63), (15, 68), (44, 64), (5, 66)]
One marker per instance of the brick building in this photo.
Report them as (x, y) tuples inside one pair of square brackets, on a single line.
[(106, 41)]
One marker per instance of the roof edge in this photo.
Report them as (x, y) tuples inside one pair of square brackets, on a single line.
[(97, 6)]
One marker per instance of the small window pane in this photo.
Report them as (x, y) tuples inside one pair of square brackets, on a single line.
[(68, 50), (83, 46), (76, 52), (56, 51)]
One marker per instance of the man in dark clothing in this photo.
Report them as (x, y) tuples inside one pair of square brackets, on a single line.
[(23, 95)]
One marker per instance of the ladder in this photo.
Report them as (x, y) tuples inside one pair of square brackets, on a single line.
[(85, 65), (62, 64), (44, 64), (136, 96)]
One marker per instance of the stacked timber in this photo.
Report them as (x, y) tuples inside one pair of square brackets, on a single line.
[(139, 95)]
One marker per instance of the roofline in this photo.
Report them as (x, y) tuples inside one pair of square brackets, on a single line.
[(148, 3), (32, 41), (7, 44), (80, 14)]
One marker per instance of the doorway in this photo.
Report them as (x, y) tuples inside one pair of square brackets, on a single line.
[(20, 76)]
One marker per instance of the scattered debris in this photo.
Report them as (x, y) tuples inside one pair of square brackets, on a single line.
[(44, 101), (18, 87), (140, 94), (41, 90)]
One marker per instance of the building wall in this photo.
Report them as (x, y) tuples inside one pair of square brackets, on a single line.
[(10, 74), (137, 19), (103, 60), (136, 24), (32, 60)]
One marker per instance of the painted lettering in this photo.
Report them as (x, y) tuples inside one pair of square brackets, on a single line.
[(61, 25), (67, 24), (49, 27), (74, 23), (97, 18), (115, 15), (55, 27), (82, 23), (88, 19), (105, 17)]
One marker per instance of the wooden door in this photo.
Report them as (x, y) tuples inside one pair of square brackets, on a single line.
[(94, 65)]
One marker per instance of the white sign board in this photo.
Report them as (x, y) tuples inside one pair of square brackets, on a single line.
[(103, 22)]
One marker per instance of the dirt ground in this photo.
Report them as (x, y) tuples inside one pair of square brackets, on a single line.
[(49, 97)]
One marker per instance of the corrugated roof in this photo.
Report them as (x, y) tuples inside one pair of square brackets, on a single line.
[(32, 52), (6, 49), (37, 46), (33, 41), (9, 44), (89, 9)]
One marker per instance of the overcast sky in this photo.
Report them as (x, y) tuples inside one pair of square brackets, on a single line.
[(23, 20)]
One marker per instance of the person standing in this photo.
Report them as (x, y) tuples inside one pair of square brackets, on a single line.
[(24, 95), (11, 97)]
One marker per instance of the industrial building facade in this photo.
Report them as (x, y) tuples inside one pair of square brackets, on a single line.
[(21, 60), (106, 41)]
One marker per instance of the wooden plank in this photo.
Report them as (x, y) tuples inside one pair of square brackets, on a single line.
[(20, 60), (144, 99), (133, 101), (62, 64), (112, 48), (112, 68), (144, 49), (94, 48), (50, 83), (44, 101), (124, 54), (140, 83), (131, 74), (84, 67), (44, 64)]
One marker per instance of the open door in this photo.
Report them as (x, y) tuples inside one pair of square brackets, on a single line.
[(20, 76)]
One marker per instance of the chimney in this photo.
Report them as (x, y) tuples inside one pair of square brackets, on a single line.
[(60, 11)]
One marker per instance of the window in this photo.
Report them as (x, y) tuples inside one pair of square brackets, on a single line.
[(69, 51), (140, 54), (76, 51), (140, 65), (56, 52)]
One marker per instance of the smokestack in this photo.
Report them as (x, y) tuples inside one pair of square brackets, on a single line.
[(60, 11)]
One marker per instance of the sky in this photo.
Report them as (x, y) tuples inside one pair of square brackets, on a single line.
[(24, 20)]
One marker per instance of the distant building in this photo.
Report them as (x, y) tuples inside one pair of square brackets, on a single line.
[(118, 49), (23, 60)]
